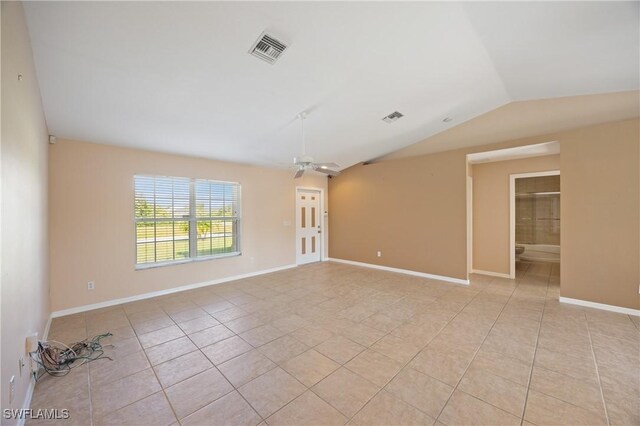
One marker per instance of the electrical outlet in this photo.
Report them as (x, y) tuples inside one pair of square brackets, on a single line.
[(379, 254), (91, 285), (12, 388)]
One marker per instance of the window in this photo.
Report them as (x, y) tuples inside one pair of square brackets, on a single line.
[(216, 217), (180, 219)]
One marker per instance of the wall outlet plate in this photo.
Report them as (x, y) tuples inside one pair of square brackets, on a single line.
[(379, 254), (91, 285)]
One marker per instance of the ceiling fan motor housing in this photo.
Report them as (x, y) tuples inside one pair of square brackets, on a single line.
[(305, 159)]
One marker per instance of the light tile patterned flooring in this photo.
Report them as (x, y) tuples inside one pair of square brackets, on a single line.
[(329, 344)]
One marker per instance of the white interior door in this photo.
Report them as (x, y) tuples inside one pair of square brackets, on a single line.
[(308, 229)]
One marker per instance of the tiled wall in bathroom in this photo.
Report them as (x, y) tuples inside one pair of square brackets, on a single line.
[(538, 215)]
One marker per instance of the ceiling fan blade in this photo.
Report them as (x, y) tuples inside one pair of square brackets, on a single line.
[(299, 173), (331, 165), (326, 171)]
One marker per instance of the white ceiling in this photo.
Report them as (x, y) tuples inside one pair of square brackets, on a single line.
[(176, 76)]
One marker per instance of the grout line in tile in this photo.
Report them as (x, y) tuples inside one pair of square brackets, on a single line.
[(474, 357), (595, 361), (636, 324), (408, 362), (153, 370), (533, 361), (225, 377), (295, 378)]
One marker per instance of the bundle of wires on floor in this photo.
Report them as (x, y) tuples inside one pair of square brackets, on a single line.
[(57, 359)]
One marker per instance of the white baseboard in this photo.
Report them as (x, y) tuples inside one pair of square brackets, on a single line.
[(27, 402), (113, 302), (402, 271), (491, 274), (612, 308)]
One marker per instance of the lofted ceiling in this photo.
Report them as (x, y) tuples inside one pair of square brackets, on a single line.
[(523, 119), (176, 76)]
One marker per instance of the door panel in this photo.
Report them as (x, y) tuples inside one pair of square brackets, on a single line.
[(308, 230)]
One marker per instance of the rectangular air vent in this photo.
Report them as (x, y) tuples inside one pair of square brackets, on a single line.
[(394, 116), (267, 48)]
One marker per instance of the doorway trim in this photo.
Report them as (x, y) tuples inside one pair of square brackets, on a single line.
[(469, 224), (323, 227), (512, 213)]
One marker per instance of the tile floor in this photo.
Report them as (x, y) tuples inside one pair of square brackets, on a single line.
[(331, 344)]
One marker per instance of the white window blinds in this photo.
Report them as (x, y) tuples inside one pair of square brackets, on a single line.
[(217, 215), (180, 219)]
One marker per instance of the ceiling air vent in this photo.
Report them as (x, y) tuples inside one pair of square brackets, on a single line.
[(267, 48), (394, 116)]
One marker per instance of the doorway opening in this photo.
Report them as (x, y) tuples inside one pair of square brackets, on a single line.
[(534, 221), (308, 225)]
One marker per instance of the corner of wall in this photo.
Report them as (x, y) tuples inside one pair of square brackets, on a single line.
[(24, 260)]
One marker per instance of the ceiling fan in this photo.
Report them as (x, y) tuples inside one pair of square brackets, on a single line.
[(305, 162)]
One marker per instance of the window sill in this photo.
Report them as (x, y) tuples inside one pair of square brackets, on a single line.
[(144, 266)]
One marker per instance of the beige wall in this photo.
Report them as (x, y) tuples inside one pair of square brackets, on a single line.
[(413, 210), (491, 208), (600, 254), (92, 228), (24, 259)]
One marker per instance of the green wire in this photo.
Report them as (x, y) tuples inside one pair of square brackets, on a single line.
[(63, 368)]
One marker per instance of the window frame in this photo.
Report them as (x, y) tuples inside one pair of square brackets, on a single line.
[(192, 219)]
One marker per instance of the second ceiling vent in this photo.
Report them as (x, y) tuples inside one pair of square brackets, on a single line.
[(394, 116), (267, 48)]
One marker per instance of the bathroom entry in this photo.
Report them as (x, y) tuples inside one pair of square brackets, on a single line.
[(535, 220)]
